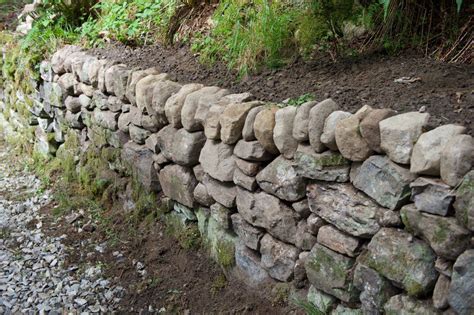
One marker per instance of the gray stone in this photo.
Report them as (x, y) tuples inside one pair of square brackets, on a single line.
[(132, 81), (58, 58), (247, 131), (187, 147), (221, 214), (248, 168), (85, 101), (84, 89), (114, 104), (314, 223), (68, 83), (166, 141), (426, 156), (249, 268), (251, 151), (299, 272), (101, 74), (445, 236), (398, 134), (175, 103), (106, 119), (338, 241), (302, 208), (116, 78), (248, 234), (199, 172), (327, 166), (301, 121), (144, 91), (305, 240), (190, 107), (346, 208), (74, 120), (232, 121), (73, 104), (464, 204), (444, 266), (384, 181), (90, 69), (317, 118), (222, 192), (278, 258), (369, 127), (218, 161), (141, 161), (462, 284), (99, 100), (283, 131), (244, 181), (432, 195), (322, 301), (406, 305), (441, 292), (124, 121), (280, 179), (405, 260), (178, 183), (263, 128), (212, 125), (152, 143), (343, 310), (375, 289), (328, 137), (201, 195), (162, 91), (349, 140), (331, 272), (268, 212), (137, 134), (457, 159), (206, 102)]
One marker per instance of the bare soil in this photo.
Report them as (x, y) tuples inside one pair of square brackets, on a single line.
[(446, 91)]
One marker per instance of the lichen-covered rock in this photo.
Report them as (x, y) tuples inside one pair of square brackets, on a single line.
[(114, 104), (53, 94), (301, 121), (462, 284), (263, 128), (426, 156), (278, 258), (322, 301), (326, 166), (317, 117), (222, 192), (268, 212), (244, 181), (106, 119), (398, 134), (141, 161), (338, 241), (178, 183), (432, 195), (221, 214), (384, 181), (343, 310), (406, 305), (369, 127), (74, 120), (248, 133), (187, 147), (137, 134), (218, 161), (249, 268), (457, 159), (283, 131), (99, 100), (305, 240), (247, 167), (280, 178), (349, 140), (132, 81), (406, 261), (331, 272), (175, 103), (232, 120), (202, 196), (247, 233), (252, 151), (464, 204), (445, 236), (346, 208), (328, 137), (375, 289), (191, 104)]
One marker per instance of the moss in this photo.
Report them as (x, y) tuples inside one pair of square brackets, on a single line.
[(441, 232), (225, 251), (219, 282), (187, 235), (280, 293)]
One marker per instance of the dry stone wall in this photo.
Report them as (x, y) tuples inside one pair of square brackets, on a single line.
[(372, 211)]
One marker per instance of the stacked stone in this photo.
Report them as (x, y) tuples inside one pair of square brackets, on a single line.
[(372, 210)]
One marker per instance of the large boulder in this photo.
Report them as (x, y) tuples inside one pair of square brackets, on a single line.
[(178, 183), (331, 273), (187, 147), (457, 159), (445, 236), (327, 166), (175, 103), (384, 181), (406, 261), (369, 127), (398, 134), (283, 131), (268, 212), (426, 156), (432, 195), (322, 301), (280, 178), (346, 208), (349, 140), (263, 128), (317, 118), (232, 120), (464, 204), (301, 121), (278, 258), (218, 161), (462, 284), (248, 133)]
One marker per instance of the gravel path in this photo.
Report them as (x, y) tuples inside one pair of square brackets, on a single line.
[(33, 278)]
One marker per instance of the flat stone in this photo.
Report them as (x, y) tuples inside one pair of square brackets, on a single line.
[(263, 128), (398, 134), (328, 137), (375, 289), (132, 81), (346, 208), (278, 258), (464, 204), (462, 284), (222, 192), (247, 131), (384, 181), (441, 292), (187, 147), (268, 212), (369, 127), (426, 156), (301, 121), (445, 236), (349, 140), (252, 151), (317, 117), (327, 166), (457, 158), (405, 260), (432, 195), (178, 183), (305, 240), (202, 196), (244, 181), (338, 241), (283, 131), (322, 301), (330, 272), (218, 161), (403, 304), (175, 103), (232, 120), (247, 167), (247, 233)]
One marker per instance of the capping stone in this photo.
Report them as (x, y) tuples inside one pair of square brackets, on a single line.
[(317, 117), (457, 159), (263, 128), (247, 131), (283, 131), (175, 103), (232, 120), (301, 121)]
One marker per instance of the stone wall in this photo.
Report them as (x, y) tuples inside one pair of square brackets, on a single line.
[(372, 211)]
